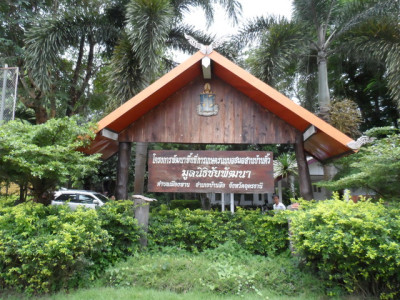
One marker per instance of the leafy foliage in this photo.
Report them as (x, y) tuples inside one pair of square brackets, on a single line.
[(227, 269), (182, 204), (117, 217), (200, 230), (49, 248), (44, 249), (375, 167), (345, 116), (45, 155), (355, 245)]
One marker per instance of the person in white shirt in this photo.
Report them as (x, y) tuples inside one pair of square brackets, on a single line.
[(277, 204)]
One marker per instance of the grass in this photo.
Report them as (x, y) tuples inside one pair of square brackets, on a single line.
[(228, 272), (141, 293)]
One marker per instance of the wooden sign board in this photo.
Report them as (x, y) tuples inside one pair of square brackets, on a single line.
[(244, 172)]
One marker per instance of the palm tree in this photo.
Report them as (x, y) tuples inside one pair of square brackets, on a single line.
[(308, 38), (285, 167), (152, 28), (60, 49), (378, 40)]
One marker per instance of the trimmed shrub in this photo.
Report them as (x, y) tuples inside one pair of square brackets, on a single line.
[(117, 217), (199, 230), (354, 244), (182, 204), (44, 249)]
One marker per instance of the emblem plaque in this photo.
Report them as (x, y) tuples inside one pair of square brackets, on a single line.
[(207, 106)]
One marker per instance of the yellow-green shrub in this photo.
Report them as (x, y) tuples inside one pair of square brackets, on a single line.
[(47, 248), (354, 244), (44, 249), (199, 230)]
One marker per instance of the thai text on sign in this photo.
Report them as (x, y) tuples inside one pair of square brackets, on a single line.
[(211, 171)]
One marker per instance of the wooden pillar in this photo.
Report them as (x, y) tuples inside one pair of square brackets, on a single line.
[(304, 173), (124, 157), (141, 207)]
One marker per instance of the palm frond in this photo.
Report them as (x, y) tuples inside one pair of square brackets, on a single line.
[(281, 45), (253, 30), (47, 41), (177, 41), (148, 25), (233, 8), (126, 78)]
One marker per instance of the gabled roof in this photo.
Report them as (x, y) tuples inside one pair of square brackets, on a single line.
[(324, 143)]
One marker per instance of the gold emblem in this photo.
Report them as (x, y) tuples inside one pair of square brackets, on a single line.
[(207, 106)]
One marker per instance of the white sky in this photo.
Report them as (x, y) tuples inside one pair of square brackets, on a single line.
[(222, 26)]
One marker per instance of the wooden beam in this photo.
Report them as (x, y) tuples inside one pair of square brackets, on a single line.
[(124, 156), (304, 173), (309, 132), (109, 134), (206, 66)]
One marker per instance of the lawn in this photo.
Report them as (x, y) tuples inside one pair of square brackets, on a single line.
[(228, 272)]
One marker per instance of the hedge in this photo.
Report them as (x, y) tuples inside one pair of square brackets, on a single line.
[(354, 244), (199, 230), (45, 249), (182, 204)]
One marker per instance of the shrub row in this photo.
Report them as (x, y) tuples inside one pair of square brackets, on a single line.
[(182, 204), (354, 245), (45, 249), (199, 230)]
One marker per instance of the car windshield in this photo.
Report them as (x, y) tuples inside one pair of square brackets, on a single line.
[(101, 197)]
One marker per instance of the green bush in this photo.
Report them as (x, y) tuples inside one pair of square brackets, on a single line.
[(117, 217), (200, 230), (355, 245), (182, 204), (44, 249)]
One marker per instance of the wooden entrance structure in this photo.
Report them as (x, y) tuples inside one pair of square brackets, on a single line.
[(249, 112)]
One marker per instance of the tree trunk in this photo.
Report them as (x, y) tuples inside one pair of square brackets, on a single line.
[(304, 173), (324, 99), (124, 156), (291, 186), (329, 173)]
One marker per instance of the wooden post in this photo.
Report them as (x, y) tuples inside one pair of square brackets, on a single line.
[(124, 157), (142, 208), (304, 173)]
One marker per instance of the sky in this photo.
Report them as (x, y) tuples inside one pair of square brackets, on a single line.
[(222, 26)]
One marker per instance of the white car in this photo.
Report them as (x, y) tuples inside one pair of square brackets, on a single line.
[(75, 198)]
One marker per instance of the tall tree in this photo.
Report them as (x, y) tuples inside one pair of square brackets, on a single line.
[(311, 36), (77, 33)]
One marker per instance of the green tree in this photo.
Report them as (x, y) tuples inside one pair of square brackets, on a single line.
[(304, 44), (66, 45), (375, 167), (285, 166), (152, 28), (44, 156), (379, 40)]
